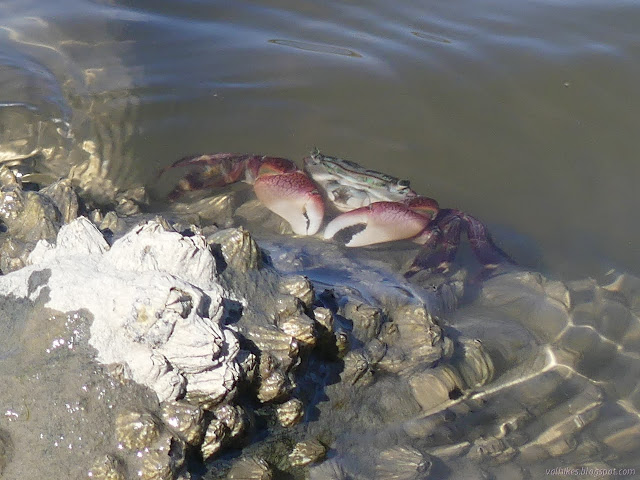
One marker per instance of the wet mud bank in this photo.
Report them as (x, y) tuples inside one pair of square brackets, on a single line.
[(159, 348)]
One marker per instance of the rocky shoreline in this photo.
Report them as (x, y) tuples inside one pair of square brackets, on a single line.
[(145, 348)]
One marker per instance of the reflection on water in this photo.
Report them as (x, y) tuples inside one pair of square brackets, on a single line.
[(523, 114)]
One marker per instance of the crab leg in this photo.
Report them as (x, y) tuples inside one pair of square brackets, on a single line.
[(279, 184), (441, 239), (376, 223)]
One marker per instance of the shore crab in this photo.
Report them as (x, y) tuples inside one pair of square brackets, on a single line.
[(371, 207)]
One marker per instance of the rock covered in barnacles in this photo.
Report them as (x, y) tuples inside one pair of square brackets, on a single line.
[(250, 469), (157, 306)]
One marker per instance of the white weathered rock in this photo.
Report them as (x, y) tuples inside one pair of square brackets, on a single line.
[(156, 303)]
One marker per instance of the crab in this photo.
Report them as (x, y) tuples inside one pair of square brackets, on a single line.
[(368, 207)]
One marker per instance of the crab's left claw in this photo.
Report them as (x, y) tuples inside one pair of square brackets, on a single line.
[(294, 197), (376, 223)]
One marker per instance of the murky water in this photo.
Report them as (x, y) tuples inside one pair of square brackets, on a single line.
[(524, 114)]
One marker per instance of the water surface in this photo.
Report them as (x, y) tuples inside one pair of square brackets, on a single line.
[(523, 114)]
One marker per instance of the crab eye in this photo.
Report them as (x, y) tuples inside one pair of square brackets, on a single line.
[(403, 183)]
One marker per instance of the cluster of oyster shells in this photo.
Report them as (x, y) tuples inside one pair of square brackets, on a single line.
[(327, 381)]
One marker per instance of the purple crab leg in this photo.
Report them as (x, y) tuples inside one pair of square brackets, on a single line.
[(441, 239), (210, 171)]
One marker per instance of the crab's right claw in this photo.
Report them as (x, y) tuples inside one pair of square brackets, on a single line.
[(376, 223), (294, 197)]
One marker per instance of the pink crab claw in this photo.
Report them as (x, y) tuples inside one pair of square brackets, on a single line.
[(294, 197), (377, 223), (279, 184)]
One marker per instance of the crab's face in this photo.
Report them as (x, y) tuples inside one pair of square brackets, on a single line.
[(349, 186)]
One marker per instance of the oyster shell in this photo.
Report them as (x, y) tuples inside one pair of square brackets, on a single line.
[(213, 438), (28, 216), (136, 430), (290, 412), (306, 452), (300, 287), (162, 462), (300, 327), (433, 387), (273, 387), (107, 467), (357, 369), (329, 470), (64, 198), (366, 319), (324, 317), (250, 469), (238, 249), (402, 463), (234, 418), (185, 420)]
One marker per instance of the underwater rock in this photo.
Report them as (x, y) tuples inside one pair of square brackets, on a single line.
[(29, 216)]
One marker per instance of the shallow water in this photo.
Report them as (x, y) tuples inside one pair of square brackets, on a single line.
[(523, 114)]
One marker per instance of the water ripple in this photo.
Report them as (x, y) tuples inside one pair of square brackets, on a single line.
[(316, 47)]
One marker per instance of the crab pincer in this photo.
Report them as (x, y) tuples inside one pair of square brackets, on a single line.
[(382, 222), (278, 183)]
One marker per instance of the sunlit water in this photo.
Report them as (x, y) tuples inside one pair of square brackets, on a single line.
[(524, 114)]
